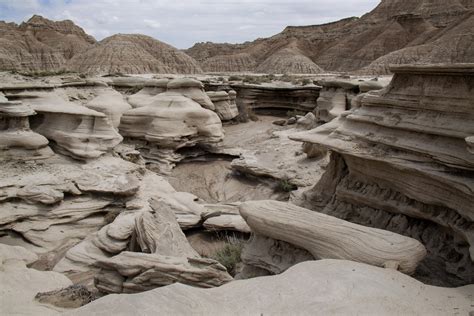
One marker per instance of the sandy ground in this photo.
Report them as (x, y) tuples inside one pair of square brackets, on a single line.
[(263, 145)]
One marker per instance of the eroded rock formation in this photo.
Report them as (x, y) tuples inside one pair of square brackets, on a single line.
[(171, 121), (276, 98), (20, 284), (17, 141), (336, 96), (395, 32), (40, 44), (138, 54), (224, 103), (327, 237), (349, 288), (77, 131), (400, 162)]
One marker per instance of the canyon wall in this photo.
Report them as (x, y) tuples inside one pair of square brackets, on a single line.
[(401, 161)]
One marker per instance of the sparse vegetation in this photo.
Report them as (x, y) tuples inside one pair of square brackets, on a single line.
[(38, 74), (235, 78), (286, 186), (229, 255), (73, 296)]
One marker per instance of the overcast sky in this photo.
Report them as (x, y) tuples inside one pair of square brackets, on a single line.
[(182, 23)]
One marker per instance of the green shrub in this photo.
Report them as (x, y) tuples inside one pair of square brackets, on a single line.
[(286, 186), (37, 74), (235, 78), (229, 255)]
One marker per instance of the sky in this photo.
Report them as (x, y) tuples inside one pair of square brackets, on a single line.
[(182, 23)]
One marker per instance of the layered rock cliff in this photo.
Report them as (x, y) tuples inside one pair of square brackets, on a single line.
[(133, 53), (401, 161), (413, 31), (41, 45)]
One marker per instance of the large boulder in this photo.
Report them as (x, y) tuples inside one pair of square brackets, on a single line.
[(327, 237)]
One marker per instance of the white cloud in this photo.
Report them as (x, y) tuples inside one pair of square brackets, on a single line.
[(185, 22), (152, 23)]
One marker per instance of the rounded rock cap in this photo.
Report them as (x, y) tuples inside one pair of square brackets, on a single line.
[(185, 83)]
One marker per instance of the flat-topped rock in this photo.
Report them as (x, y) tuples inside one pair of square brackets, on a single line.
[(193, 89), (173, 121), (77, 131)]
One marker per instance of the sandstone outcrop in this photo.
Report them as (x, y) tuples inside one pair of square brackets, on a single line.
[(77, 131), (142, 250), (111, 103), (143, 97), (193, 89), (401, 162), (169, 122), (276, 98), (336, 95), (137, 54), (17, 141), (224, 103), (349, 288), (327, 237)]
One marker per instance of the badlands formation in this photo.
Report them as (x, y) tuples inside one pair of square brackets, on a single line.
[(358, 198), (166, 191)]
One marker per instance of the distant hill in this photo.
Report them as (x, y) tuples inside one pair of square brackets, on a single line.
[(396, 31), (133, 54), (43, 45)]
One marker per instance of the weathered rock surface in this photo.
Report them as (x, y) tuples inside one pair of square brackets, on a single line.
[(327, 237), (282, 98), (169, 122), (17, 140), (349, 288), (401, 163), (224, 103), (271, 255), (337, 95), (143, 97), (111, 103), (161, 254), (76, 130), (396, 31), (54, 203), (128, 53), (193, 89), (224, 217), (138, 272), (19, 284)]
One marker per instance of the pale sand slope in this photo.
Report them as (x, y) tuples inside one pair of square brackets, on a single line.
[(324, 287)]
